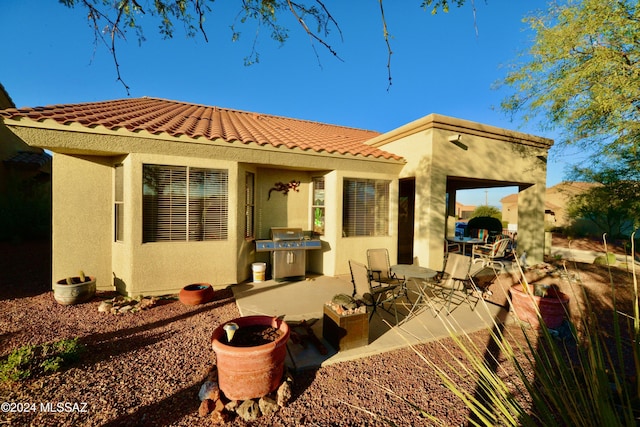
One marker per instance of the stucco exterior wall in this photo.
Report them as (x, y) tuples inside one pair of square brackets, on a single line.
[(82, 220), (166, 267), (355, 248), (435, 154)]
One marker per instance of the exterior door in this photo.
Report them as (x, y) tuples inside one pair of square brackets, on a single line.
[(406, 214)]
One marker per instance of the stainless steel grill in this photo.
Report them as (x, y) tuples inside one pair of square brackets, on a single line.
[(288, 248)]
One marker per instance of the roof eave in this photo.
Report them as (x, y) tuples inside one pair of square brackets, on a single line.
[(437, 121)]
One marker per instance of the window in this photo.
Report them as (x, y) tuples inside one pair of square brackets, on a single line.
[(184, 204), (365, 208), (118, 201), (249, 205), (317, 206)]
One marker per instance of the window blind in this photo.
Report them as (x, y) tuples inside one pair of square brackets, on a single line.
[(182, 203), (365, 207)]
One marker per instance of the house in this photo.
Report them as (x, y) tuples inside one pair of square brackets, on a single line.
[(20, 161), (555, 204), (153, 194), (464, 212), (25, 176)]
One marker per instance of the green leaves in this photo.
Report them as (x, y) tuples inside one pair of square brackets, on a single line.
[(28, 361), (582, 73)]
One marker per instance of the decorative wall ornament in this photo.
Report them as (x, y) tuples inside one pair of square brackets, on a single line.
[(284, 187)]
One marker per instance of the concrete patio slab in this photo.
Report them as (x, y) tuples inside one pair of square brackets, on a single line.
[(304, 300)]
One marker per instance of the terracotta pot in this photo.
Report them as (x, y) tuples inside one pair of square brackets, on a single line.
[(250, 372), (75, 293), (553, 308), (196, 293)]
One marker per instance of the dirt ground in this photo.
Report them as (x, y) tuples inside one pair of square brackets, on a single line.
[(146, 368)]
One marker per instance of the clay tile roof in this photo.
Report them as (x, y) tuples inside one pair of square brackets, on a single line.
[(160, 116)]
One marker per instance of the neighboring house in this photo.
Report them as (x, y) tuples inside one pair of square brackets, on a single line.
[(20, 162), (464, 212), (25, 178), (152, 194), (510, 210), (555, 205)]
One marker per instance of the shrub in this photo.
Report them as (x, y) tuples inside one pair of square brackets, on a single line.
[(576, 377), (30, 361), (609, 259)]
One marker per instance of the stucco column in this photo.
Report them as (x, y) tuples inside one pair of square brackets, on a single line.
[(429, 227), (531, 223)]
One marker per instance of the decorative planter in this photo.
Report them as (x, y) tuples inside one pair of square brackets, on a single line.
[(196, 293), (76, 293), (250, 372), (552, 308)]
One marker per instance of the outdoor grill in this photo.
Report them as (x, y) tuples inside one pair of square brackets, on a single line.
[(288, 248)]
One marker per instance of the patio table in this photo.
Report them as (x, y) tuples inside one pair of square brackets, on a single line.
[(414, 272), (464, 241)]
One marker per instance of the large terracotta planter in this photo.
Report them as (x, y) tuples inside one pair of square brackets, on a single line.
[(553, 309), (250, 372), (196, 293), (75, 293)]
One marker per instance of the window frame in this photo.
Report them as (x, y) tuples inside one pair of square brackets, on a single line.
[(250, 205), (194, 207), (118, 203), (365, 207), (318, 205)]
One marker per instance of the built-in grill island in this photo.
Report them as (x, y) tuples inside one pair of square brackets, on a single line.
[(288, 247)]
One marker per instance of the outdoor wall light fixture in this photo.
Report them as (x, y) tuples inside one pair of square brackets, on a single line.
[(456, 140)]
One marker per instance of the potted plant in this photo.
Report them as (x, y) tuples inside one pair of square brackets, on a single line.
[(250, 353), (533, 302), (75, 290)]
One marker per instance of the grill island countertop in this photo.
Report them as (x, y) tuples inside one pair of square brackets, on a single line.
[(287, 247)]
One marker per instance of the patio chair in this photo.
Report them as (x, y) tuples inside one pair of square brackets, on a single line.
[(380, 268), (491, 254), (454, 279), (451, 247), (370, 295)]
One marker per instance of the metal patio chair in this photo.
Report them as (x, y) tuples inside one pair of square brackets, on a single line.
[(491, 254), (380, 268), (454, 281), (371, 295)]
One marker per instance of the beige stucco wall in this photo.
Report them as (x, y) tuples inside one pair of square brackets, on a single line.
[(85, 177), (165, 267), (483, 153), (82, 228)]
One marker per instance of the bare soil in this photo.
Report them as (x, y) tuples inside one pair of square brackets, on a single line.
[(146, 369)]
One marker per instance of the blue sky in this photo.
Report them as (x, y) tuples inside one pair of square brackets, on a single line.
[(439, 65)]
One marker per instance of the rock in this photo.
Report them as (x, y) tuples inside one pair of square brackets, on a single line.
[(219, 415), (268, 406), (105, 306), (209, 390), (206, 406), (125, 309), (146, 303), (283, 395), (248, 410), (231, 406)]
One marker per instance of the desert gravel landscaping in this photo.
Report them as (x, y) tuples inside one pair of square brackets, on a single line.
[(146, 368)]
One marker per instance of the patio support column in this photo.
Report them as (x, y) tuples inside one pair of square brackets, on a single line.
[(531, 223)]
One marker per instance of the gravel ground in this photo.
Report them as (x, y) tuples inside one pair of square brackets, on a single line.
[(146, 368)]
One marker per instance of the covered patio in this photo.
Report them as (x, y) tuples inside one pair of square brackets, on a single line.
[(296, 301)]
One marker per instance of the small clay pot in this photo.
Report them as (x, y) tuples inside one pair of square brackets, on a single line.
[(196, 293)]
